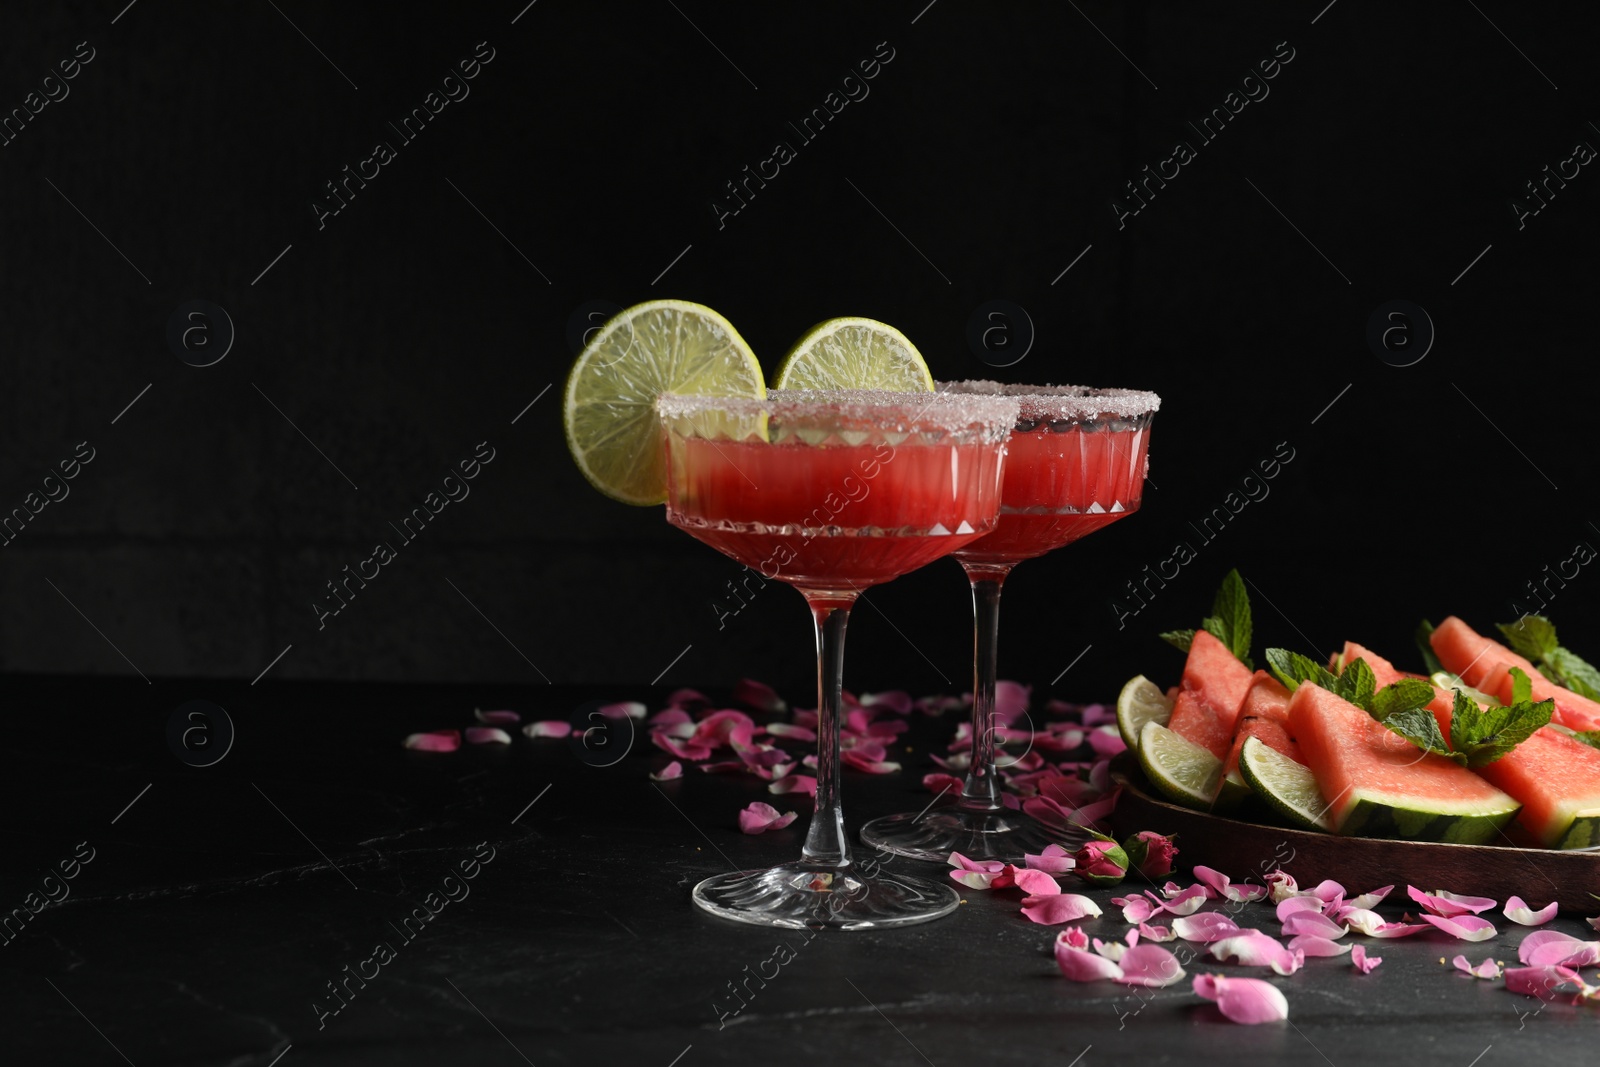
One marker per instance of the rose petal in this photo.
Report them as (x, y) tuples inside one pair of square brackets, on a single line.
[(960, 862), (1466, 927), (1449, 905), (1281, 886), (1188, 901), (1054, 860), (1563, 954), (1107, 741), (1078, 965), (865, 762), (554, 728), (1517, 911), (487, 735), (758, 695), (1363, 962), (688, 700), (1489, 968), (1374, 925), (758, 817), (1156, 933), (940, 783), (897, 701), (1312, 945), (1036, 883), (434, 741), (1314, 923), (794, 783), (975, 879), (1111, 950), (791, 731), (1290, 905), (1206, 927), (498, 718), (1256, 949), (669, 717), (1243, 1000), (1149, 965), (1223, 886), (624, 709), (1372, 899), (1137, 909), (1054, 908), (1010, 699), (685, 750), (1542, 982), (668, 773), (1327, 890), (1539, 938)]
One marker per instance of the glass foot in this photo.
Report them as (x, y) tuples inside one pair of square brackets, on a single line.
[(820, 897), (1006, 836)]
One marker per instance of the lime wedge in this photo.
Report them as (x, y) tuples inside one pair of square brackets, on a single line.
[(855, 354), (663, 346), (1288, 787), (1446, 680), (1179, 768), (1233, 791), (1138, 703)]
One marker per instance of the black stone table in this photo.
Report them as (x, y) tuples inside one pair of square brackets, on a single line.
[(220, 902)]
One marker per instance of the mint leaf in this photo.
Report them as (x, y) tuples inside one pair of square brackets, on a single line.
[(1521, 686), (1487, 735), (1356, 683), (1292, 668), (1232, 609), (1179, 639), (1421, 729), (1532, 636), (1430, 659), (1575, 672), (1400, 696)]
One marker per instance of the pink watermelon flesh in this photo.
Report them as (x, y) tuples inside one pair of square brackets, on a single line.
[(1485, 664), (1356, 759), (1216, 677), (1193, 720), (1263, 714)]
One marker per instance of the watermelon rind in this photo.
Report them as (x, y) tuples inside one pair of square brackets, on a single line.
[(1418, 818)]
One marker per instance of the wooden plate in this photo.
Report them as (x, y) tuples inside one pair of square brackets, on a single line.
[(1245, 850)]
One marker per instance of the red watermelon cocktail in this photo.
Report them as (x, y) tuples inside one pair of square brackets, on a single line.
[(1075, 462), (833, 492)]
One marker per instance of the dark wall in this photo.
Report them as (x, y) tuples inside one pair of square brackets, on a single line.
[(394, 336)]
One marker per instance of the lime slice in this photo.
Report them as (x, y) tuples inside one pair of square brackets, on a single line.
[(1138, 703), (1288, 787), (663, 346), (1446, 680), (855, 354), (1185, 772), (1233, 791)]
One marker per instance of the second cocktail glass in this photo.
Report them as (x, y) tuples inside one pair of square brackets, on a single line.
[(833, 492), (1075, 462)]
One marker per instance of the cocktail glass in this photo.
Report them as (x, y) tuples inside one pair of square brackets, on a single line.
[(1075, 462), (833, 492)]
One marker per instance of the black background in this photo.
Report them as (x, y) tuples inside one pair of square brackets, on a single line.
[(425, 316)]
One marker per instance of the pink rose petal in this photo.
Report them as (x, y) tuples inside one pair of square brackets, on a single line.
[(1487, 969), (1253, 948), (668, 773), (1290, 905), (625, 709), (1054, 908), (684, 750), (1546, 983), (865, 762), (552, 728), (719, 727), (791, 731), (1036, 883), (1313, 923), (1223, 886), (1149, 965), (1327, 891), (895, 701), (1563, 954), (794, 783), (1372, 899), (1540, 938), (496, 718), (1363, 962), (1107, 741), (1188, 901), (1312, 945), (1137, 909), (1206, 927), (1111, 950), (1078, 965), (1466, 927), (1374, 925), (1156, 933), (669, 717), (1243, 1000), (487, 735), (1281, 886), (1517, 911), (1054, 860), (758, 695), (434, 741), (1449, 905), (758, 817), (939, 783)]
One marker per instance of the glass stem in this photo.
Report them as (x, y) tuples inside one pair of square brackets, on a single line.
[(982, 790), (825, 840)]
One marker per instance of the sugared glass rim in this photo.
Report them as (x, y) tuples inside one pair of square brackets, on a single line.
[(850, 409), (1056, 402)]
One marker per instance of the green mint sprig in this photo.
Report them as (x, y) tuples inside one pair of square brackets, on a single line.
[(1534, 637), (1229, 621)]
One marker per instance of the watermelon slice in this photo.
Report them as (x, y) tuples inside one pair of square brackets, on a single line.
[(1214, 685), (1555, 777), (1486, 664), (1379, 785), (1264, 713)]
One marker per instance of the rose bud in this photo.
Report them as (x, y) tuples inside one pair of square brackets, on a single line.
[(1101, 862), (1150, 854)]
